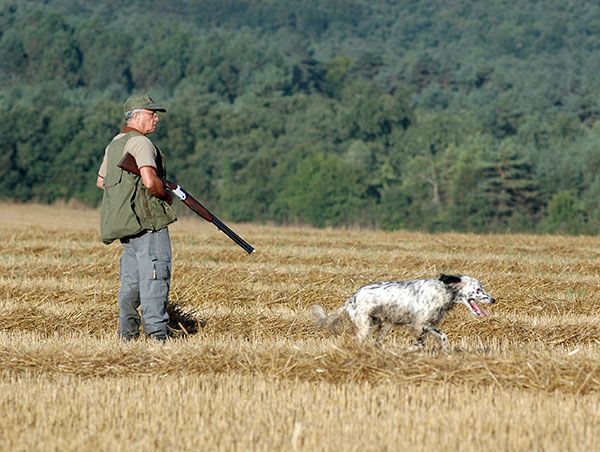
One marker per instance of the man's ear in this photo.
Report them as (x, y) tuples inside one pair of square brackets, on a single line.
[(450, 279)]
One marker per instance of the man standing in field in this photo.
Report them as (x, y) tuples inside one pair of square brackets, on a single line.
[(137, 210)]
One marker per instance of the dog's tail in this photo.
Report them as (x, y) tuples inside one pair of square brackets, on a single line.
[(333, 321)]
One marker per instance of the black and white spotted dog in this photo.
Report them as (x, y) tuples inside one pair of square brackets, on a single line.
[(418, 303)]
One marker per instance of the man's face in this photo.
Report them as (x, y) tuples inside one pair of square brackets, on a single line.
[(146, 121)]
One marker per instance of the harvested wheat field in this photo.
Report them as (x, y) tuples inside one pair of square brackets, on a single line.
[(248, 370)]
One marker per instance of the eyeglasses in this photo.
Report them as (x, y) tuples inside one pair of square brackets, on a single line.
[(151, 113)]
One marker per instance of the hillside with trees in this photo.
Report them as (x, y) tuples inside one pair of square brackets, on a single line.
[(463, 115)]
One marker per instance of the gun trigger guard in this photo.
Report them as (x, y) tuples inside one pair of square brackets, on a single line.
[(179, 192)]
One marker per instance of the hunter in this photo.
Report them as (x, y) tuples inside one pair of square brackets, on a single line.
[(136, 210)]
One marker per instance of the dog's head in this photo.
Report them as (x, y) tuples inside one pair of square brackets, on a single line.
[(468, 291)]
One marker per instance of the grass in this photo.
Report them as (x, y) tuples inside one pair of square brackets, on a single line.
[(249, 371)]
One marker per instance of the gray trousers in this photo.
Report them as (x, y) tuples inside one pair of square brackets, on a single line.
[(145, 281)]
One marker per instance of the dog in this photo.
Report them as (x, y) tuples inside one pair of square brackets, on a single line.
[(418, 303)]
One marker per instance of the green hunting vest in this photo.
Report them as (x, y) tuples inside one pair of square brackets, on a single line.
[(127, 207)]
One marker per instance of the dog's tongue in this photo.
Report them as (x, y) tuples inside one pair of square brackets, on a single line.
[(476, 309)]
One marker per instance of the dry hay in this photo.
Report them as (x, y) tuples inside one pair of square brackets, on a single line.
[(227, 412), (243, 324), (342, 363)]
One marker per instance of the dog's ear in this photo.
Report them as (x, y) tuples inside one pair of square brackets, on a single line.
[(450, 279)]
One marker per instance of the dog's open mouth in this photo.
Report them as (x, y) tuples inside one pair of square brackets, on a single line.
[(475, 309)]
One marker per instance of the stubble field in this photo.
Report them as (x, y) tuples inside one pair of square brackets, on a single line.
[(249, 371)]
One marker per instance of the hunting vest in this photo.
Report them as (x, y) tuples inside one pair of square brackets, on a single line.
[(127, 207)]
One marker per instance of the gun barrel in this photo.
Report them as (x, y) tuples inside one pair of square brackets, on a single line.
[(232, 235), (197, 207)]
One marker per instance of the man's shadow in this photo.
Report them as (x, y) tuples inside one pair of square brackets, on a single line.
[(183, 322)]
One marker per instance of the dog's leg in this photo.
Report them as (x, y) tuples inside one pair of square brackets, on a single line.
[(363, 327), (428, 329), (382, 331), (419, 343), (441, 337)]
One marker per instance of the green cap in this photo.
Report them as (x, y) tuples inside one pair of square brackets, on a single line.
[(143, 101)]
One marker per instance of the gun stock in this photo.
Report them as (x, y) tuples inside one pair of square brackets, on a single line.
[(129, 164)]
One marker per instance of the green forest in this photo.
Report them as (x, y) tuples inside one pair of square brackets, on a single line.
[(463, 115)]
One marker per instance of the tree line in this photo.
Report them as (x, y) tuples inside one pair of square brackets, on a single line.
[(414, 114)]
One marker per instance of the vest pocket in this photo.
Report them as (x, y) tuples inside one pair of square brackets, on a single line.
[(153, 213)]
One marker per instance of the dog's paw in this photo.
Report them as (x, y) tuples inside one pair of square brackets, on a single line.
[(318, 312)]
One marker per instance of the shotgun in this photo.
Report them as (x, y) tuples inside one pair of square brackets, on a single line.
[(129, 164)]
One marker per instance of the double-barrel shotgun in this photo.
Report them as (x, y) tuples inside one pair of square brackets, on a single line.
[(129, 164)]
